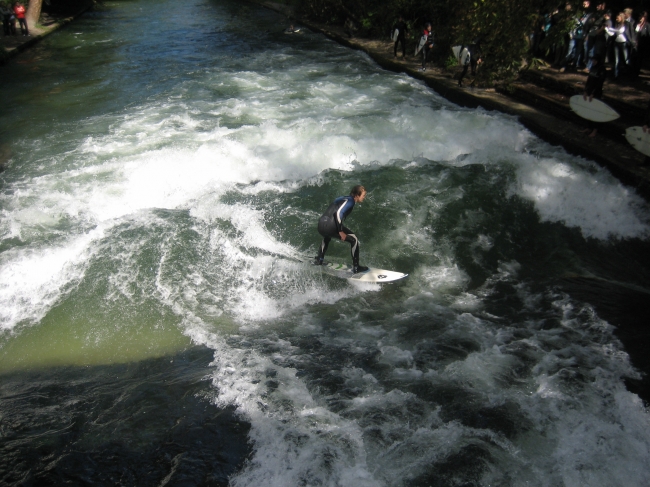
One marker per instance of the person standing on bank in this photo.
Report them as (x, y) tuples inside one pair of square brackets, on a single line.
[(594, 89), (474, 50), (330, 226), (402, 29), (426, 45), (19, 11)]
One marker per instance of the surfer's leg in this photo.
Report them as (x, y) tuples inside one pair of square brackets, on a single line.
[(462, 75), (323, 248), (354, 247), (352, 239), (354, 250)]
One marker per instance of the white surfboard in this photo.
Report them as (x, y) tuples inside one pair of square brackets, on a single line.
[(461, 54), (423, 41), (594, 110), (371, 275), (395, 35), (639, 139)]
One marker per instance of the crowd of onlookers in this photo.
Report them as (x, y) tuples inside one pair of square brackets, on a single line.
[(11, 15), (593, 34), (570, 40)]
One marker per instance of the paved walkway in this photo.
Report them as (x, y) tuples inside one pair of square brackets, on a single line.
[(539, 99)]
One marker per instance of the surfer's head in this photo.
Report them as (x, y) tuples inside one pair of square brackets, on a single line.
[(358, 193)]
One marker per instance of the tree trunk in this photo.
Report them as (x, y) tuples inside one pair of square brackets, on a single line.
[(33, 13)]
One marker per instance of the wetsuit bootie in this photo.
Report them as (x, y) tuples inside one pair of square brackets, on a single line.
[(318, 260), (358, 268)]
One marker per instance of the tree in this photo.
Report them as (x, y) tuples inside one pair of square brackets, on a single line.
[(33, 12), (503, 27)]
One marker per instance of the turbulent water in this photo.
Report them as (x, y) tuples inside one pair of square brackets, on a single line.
[(166, 165)]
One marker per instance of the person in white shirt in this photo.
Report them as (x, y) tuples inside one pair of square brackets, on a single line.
[(617, 34)]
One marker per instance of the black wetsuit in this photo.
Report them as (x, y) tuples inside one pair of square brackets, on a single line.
[(594, 86), (474, 50), (426, 49), (331, 223), (401, 37)]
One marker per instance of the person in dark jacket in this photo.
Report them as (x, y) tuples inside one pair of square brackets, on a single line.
[(594, 89), (595, 45), (576, 53), (426, 45), (474, 60), (402, 29), (8, 19), (330, 226), (643, 42), (631, 40)]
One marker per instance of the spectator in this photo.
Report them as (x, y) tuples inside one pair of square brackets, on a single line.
[(619, 41), (587, 20), (631, 45), (401, 36), (19, 12), (576, 54), (596, 43), (643, 41), (560, 47), (537, 36), (8, 20)]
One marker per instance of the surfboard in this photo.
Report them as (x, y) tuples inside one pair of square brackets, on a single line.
[(638, 139), (423, 41), (395, 35), (461, 54), (594, 110), (344, 271), (371, 275)]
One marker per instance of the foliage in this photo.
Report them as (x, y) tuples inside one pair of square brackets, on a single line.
[(562, 23), (502, 26), (451, 62)]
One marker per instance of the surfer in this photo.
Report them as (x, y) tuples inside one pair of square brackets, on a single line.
[(402, 30), (594, 89), (473, 59), (425, 46), (331, 226), (292, 30)]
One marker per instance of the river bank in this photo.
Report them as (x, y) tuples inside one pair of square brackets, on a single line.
[(544, 110)]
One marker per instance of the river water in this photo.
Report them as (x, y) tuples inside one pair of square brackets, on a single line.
[(166, 165)]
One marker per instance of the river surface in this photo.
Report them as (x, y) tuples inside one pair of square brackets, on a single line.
[(166, 165)]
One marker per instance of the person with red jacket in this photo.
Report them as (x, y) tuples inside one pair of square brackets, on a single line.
[(19, 12)]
